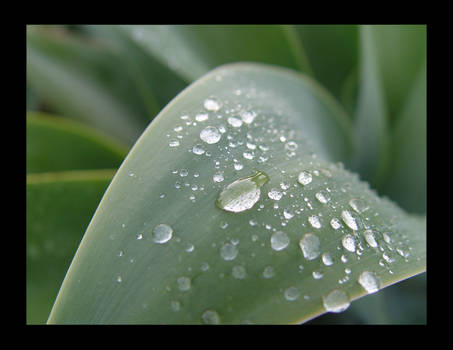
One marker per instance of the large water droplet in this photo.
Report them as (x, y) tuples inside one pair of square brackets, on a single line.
[(279, 240), (210, 135), (336, 301), (304, 178), (242, 194), (348, 242), (210, 317), (369, 282), (162, 233), (228, 251), (309, 245)]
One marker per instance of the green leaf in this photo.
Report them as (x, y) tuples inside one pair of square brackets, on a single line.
[(59, 208), (75, 93), (406, 180), (192, 50), (57, 144), (159, 249), (332, 51)]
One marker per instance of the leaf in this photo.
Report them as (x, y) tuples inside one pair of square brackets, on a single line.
[(59, 208), (77, 94), (57, 144), (159, 249), (192, 50)]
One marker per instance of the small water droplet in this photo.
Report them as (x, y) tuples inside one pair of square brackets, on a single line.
[(201, 117), (234, 122), (198, 149), (268, 272), (248, 116), (288, 214), (119, 279), (212, 105), (218, 177), (304, 178), (175, 305), (369, 282), (162, 233), (348, 242), (275, 194), (242, 194), (292, 294), (291, 146), (309, 245), (349, 220), (279, 240), (239, 272), (335, 223), (314, 221), (336, 301), (327, 259), (210, 317), (228, 251), (210, 135), (317, 275), (183, 172), (204, 266), (184, 283), (173, 143), (369, 237), (139, 236), (358, 205), (322, 196)]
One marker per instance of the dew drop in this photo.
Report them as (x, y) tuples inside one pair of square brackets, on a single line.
[(369, 282), (201, 117), (175, 305), (327, 259), (349, 220), (162, 233), (268, 272), (335, 223), (322, 197), (304, 178), (218, 177), (309, 245), (198, 149), (234, 122), (210, 317), (184, 283), (275, 194), (140, 236), (239, 272), (314, 221), (173, 143), (358, 205), (292, 294), (211, 105), (119, 279), (348, 242), (336, 301), (288, 214), (279, 240), (228, 251), (242, 194), (248, 116), (210, 135), (369, 237), (317, 275)]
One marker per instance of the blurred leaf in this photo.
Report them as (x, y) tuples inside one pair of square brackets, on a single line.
[(406, 178), (59, 208), (371, 125), (57, 144), (75, 93), (332, 51), (272, 120), (192, 50)]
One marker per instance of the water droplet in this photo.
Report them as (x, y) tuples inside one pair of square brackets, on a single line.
[(183, 172), (317, 275), (201, 117), (275, 194), (212, 105), (239, 272), (335, 223), (184, 283), (242, 194), (292, 293), (228, 251), (204, 266), (291, 146), (327, 259), (349, 220), (198, 149), (336, 301), (175, 305), (248, 116), (288, 214), (369, 282), (140, 236), (210, 317), (218, 177), (173, 143), (234, 122), (369, 237), (358, 205), (119, 279), (322, 197), (309, 245), (210, 135), (348, 242), (314, 221), (279, 240), (304, 178), (248, 155), (268, 272), (162, 233)]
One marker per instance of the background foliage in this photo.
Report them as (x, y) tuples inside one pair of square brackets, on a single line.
[(92, 90)]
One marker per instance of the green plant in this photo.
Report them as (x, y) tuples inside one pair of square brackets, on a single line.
[(240, 202)]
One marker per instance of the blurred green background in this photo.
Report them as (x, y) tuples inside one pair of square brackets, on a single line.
[(91, 90)]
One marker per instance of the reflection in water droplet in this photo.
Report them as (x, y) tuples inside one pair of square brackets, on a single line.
[(279, 240), (162, 233), (242, 194), (309, 245), (369, 282), (336, 301)]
